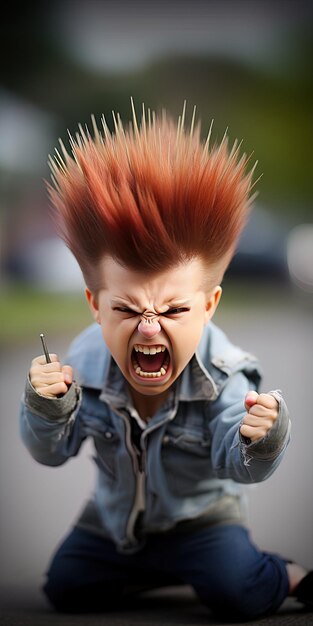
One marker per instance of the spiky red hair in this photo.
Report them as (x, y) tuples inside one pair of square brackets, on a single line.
[(150, 195)]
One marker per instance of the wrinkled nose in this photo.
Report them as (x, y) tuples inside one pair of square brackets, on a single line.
[(149, 328)]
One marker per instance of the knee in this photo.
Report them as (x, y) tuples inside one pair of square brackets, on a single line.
[(62, 596), (230, 599), (92, 598), (233, 608), (69, 595)]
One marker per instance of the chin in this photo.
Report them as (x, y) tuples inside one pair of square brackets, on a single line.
[(150, 389)]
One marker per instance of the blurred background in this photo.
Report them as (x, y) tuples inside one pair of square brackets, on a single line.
[(248, 66)]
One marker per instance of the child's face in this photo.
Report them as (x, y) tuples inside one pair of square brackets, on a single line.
[(152, 323)]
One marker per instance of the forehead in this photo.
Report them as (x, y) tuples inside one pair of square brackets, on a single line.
[(183, 280)]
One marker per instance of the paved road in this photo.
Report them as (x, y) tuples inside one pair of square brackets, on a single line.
[(38, 503)]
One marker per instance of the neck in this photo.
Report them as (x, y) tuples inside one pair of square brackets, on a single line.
[(147, 406)]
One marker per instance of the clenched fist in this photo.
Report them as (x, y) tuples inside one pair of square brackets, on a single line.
[(262, 411), (50, 379)]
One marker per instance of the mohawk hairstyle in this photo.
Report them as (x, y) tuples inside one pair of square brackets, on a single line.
[(150, 195)]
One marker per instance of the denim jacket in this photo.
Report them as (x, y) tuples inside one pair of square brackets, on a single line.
[(192, 457)]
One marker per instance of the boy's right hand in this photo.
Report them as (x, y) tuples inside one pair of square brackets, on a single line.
[(50, 379)]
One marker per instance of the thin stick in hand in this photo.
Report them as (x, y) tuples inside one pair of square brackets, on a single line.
[(45, 349)]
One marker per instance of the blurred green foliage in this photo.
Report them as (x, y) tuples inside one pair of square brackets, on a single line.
[(26, 312)]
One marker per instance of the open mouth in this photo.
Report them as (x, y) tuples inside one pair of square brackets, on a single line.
[(150, 361)]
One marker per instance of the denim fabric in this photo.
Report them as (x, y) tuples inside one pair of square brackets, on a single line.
[(228, 573), (192, 457)]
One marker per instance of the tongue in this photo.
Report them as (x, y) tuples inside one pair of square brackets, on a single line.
[(150, 363)]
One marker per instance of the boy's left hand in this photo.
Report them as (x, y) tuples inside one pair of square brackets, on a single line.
[(262, 411)]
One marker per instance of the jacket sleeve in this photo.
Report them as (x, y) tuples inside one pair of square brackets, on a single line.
[(50, 428), (232, 455)]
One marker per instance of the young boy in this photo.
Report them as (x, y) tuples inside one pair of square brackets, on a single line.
[(153, 216)]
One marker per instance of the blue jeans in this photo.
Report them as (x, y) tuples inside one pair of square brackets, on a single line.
[(229, 574)]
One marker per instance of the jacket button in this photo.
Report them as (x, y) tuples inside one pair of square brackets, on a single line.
[(165, 439), (108, 435)]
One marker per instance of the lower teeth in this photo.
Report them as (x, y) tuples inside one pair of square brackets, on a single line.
[(149, 374), (139, 371)]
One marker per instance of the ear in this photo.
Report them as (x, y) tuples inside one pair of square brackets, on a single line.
[(93, 304), (212, 303)]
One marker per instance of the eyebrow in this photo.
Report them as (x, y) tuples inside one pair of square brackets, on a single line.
[(179, 302), (124, 301), (132, 304)]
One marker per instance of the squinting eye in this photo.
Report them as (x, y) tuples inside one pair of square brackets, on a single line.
[(123, 309), (176, 311)]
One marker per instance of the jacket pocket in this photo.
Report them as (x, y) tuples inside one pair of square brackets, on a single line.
[(106, 445), (186, 461), (188, 441)]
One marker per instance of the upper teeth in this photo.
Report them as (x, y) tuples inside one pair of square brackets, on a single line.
[(148, 350)]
